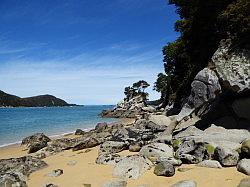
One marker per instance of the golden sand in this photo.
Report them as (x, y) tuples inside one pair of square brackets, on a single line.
[(85, 171)]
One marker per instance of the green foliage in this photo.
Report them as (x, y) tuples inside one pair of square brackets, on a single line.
[(202, 26), (210, 149), (138, 88)]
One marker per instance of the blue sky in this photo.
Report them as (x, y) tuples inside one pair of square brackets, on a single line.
[(84, 51)]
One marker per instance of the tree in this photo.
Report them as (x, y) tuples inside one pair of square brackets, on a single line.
[(140, 86), (202, 25)]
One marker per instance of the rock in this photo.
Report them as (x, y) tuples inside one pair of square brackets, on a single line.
[(101, 127), (36, 146), (108, 159), (38, 137), (232, 66), (205, 87), (244, 166), (131, 167), (185, 183), (157, 151), (164, 169), (35, 142), (115, 184), (149, 109), (191, 152), (164, 138), (210, 164), (24, 165), (161, 120), (215, 136), (245, 148), (71, 163), (110, 147), (87, 143), (55, 173), (226, 157), (12, 179), (79, 132), (135, 147), (244, 183)]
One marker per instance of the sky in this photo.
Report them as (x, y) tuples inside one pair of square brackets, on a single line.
[(83, 51)]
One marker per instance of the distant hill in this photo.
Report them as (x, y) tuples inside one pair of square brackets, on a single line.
[(7, 100)]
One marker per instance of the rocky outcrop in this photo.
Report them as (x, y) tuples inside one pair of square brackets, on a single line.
[(35, 142), (232, 66), (128, 108), (220, 94), (13, 171)]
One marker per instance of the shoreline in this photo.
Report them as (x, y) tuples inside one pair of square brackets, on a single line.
[(64, 134)]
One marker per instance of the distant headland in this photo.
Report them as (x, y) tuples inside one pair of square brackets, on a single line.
[(7, 100)]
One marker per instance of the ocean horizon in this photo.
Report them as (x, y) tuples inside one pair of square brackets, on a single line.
[(18, 123)]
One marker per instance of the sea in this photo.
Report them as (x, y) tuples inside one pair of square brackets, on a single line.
[(18, 123)]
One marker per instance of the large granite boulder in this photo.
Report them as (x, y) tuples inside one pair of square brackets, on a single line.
[(232, 66), (131, 167), (244, 182), (87, 143), (14, 171), (35, 142), (244, 166), (115, 184), (164, 169), (157, 152), (24, 165), (226, 156), (108, 159), (110, 147), (205, 87), (192, 152), (12, 179), (160, 120), (214, 135)]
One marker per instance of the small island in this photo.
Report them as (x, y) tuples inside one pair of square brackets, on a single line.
[(7, 100)]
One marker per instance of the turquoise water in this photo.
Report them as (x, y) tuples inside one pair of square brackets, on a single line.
[(17, 123)]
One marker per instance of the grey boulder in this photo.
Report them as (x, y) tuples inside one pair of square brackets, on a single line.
[(245, 148), (244, 166), (131, 167), (210, 164), (164, 169), (157, 151), (110, 147), (227, 157), (244, 183)]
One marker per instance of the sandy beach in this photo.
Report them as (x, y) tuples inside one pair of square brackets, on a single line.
[(85, 171)]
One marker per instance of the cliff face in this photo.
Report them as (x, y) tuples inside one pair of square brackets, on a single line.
[(7, 100), (221, 95)]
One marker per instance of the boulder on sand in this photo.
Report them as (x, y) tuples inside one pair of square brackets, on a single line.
[(157, 151), (131, 167), (244, 166), (164, 169), (226, 156)]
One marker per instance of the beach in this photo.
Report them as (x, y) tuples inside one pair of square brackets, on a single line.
[(86, 171)]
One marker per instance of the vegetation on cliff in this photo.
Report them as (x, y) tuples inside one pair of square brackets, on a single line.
[(202, 25)]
